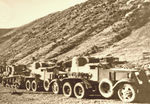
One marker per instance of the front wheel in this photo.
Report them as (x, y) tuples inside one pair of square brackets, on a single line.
[(17, 86), (67, 90), (127, 93), (4, 83), (80, 90)]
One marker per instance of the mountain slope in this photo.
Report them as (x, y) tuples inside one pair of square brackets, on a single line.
[(132, 47), (91, 27), (2, 32)]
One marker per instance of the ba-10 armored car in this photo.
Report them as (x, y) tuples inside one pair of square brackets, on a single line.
[(89, 75)]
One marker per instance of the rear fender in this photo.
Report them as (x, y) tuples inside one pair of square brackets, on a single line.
[(55, 80)]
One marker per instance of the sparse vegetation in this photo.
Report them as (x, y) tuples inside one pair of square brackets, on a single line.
[(90, 28)]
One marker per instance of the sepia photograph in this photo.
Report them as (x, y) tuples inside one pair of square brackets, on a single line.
[(74, 51)]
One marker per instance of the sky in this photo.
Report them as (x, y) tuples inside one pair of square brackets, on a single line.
[(15, 13)]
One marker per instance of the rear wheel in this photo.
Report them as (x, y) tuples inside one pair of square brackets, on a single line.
[(0, 79), (17, 86), (55, 88), (127, 93), (46, 85), (67, 90), (34, 86), (4, 83), (28, 85), (79, 90), (105, 88)]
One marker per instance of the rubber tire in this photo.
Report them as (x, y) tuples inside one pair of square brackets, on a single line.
[(34, 86), (133, 91), (46, 84), (28, 85), (3, 83), (82, 87), (103, 85), (0, 79), (17, 86), (57, 86), (67, 85)]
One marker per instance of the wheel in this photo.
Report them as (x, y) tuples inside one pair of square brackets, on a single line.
[(80, 90), (28, 85), (17, 86), (7, 85), (55, 88), (0, 79), (67, 90), (4, 83), (34, 86), (105, 88), (17, 82), (127, 93), (46, 85)]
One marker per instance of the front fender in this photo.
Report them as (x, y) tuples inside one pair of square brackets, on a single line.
[(122, 81)]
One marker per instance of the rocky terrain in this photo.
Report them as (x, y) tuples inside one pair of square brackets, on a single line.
[(98, 28), (2, 32), (7, 96), (95, 27)]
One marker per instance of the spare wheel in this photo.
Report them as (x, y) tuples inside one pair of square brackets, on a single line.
[(46, 84), (105, 88)]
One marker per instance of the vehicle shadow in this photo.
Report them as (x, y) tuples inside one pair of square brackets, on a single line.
[(144, 99), (17, 93), (94, 97)]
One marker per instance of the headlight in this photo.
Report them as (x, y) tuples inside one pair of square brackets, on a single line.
[(148, 75), (129, 75), (137, 76)]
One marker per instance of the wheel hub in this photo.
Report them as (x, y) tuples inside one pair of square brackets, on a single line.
[(55, 87), (106, 88), (79, 90), (126, 93), (46, 84), (67, 90)]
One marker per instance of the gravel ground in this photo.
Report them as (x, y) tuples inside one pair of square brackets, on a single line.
[(24, 97)]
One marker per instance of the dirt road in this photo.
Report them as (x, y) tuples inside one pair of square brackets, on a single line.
[(24, 97)]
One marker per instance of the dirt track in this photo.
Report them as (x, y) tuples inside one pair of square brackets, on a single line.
[(24, 97)]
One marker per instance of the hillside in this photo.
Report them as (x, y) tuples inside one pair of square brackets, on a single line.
[(96, 27), (132, 47), (2, 32)]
